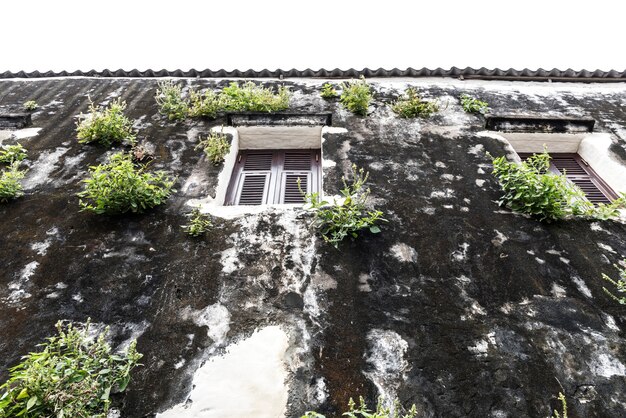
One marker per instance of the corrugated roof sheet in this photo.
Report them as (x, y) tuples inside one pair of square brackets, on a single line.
[(468, 73)]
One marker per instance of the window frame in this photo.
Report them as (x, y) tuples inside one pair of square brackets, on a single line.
[(277, 176)]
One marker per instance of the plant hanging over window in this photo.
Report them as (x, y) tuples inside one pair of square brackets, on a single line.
[(531, 189)]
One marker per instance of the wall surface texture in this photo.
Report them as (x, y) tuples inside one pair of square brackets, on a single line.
[(458, 306)]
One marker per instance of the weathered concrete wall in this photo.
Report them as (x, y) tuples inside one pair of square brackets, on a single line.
[(458, 306)]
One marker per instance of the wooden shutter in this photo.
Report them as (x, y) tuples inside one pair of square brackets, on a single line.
[(298, 164), (289, 190), (252, 189), (251, 180), (581, 174), (271, 176)]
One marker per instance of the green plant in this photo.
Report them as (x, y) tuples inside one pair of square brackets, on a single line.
[(106, 126), (620, 284), (312, 414), (206, 104), (11, 153), (10, 186), (30, 105), (120, 187), (473, 105), (198, 224), (328, 91), (529, 188), (338, 220), (215, 146), (564, 407), (250, 97), (71, 377), (411, 105), (247, 97), (356, 96), (363, 411), (169, 97)]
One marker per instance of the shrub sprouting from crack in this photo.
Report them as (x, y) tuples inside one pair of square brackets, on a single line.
[(356, 96), (619, 284), (245, 97), (105, 126), (473, 105), (411, 105), (11, 176), (215, 147), (328, 91), (72, 375), (338, 220), (362, 411), (119, 186), (198, 224)]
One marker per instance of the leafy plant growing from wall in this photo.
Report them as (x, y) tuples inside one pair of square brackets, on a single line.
[(531, 189), (328, 91), (198, 224), (473, 105), (205, 104), (250, 97), (619, 284), (335, 221), (169, 97), (356, 96), (362, 411), (105, 126), (411, 105), (563, 413), (10, 185), (30, 105), (11, 153), (73, 375), (119, 187), (239, 98), (215, 146), (11, 176)]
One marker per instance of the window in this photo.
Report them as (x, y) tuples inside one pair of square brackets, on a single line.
[(579, 153), (270, 176), (579, 172)]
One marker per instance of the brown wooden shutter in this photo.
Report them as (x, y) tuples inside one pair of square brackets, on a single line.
[(290, 192), (298, 160), (251, 179), (253, 188), (298, 164), (271, 176), (581, 174)]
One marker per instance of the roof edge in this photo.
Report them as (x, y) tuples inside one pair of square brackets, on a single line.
[(461, 73)]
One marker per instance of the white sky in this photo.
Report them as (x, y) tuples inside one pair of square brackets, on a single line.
[(82, 34)]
